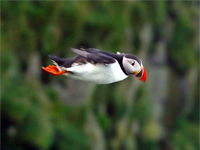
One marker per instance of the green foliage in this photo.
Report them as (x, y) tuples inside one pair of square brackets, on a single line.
[(38, 120), (34, 114), (185, 136), (141, 110), (181, 49)]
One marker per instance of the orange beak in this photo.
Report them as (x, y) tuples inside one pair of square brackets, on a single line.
[(144, 75)]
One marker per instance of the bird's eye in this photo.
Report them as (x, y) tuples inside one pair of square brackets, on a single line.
[(133, 64)]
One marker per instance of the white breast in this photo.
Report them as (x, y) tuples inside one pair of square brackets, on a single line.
[(97, 73)]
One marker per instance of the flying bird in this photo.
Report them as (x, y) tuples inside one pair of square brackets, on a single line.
[(100, 67)]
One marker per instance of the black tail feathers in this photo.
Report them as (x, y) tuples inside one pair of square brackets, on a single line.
[(58, 60)]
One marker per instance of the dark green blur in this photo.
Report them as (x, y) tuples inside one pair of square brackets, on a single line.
[(44, 112)]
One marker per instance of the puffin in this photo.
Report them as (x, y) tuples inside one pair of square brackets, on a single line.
[(100, 67)]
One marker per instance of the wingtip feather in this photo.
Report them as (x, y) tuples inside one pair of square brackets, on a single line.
[(73, 49)]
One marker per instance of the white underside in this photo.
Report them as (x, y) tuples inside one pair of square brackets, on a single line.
[(96, 73)]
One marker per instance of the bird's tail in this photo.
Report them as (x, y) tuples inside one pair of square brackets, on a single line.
[(56, 60)]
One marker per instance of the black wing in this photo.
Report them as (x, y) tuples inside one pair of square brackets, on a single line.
[(91, 50), (94, 55)]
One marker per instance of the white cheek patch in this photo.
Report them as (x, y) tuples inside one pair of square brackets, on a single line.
[(137, 67), (131, 68)]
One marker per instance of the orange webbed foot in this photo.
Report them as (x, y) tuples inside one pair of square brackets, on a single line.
[(53, 70), (52, 67)]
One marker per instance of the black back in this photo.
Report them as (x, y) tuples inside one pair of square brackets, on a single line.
[(93, 56), (118, 57)]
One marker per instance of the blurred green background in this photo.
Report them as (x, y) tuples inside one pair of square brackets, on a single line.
[(43, 112)]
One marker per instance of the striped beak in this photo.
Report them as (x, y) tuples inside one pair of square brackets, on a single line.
[(142, 75)]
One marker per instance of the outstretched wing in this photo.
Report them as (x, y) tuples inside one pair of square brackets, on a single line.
[(94, 55)]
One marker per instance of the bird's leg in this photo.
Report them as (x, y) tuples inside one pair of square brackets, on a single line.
[(53, 70)]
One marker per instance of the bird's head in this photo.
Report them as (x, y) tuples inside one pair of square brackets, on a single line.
[(133, 65)]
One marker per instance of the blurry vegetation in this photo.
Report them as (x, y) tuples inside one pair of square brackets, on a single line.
[(127, 115)]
